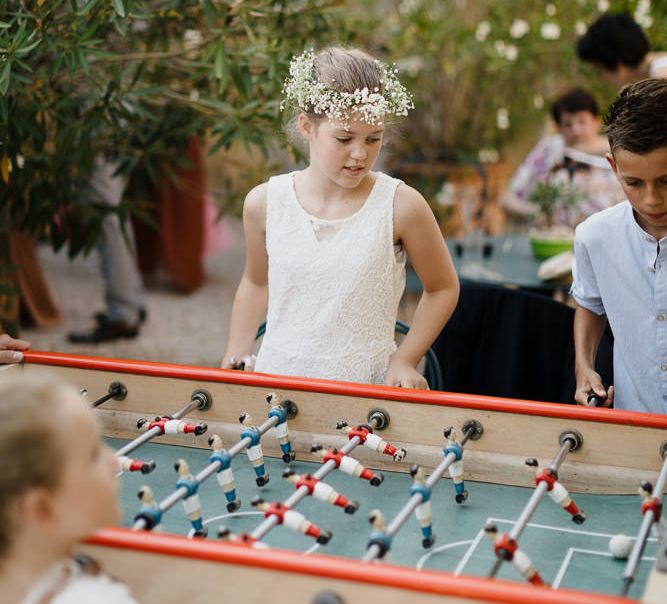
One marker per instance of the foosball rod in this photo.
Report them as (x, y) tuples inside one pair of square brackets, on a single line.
[(200, 400), (180, 493), (569, 441), (644, 530), (404, 514), (268, 523)]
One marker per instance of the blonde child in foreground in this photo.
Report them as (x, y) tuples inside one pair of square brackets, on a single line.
[(54, 491), (326, 245)]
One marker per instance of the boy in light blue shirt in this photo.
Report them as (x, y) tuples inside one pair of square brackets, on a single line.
[(620, 273)]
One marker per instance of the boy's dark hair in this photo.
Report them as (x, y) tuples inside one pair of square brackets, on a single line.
[(637, 119), (575, 100), (613, 40)]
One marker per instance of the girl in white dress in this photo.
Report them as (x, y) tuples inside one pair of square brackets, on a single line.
[(326, 246), (57, 486)]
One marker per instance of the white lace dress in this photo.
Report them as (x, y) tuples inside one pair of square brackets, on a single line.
[(334, 287)]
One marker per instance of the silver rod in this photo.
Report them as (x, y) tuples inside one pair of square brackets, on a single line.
[(401, 518), (206, 473), (533, 502), (268, 523), (644, 531), (153, 432)]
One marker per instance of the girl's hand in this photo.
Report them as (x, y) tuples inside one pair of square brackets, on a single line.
[(244, 363), (589, 382), (404, 375), (11, 350)]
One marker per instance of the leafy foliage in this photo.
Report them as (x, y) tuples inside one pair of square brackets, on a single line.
[(131, 81)]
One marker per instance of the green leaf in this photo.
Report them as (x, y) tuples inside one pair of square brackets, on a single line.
[(119, 7), (5, 77)]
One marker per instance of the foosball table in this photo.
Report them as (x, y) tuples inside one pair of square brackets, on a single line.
[(255, 488)]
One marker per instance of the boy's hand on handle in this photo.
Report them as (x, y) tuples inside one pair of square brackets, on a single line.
[(404, 375), (244, 363), (11, 349), (591, 392)]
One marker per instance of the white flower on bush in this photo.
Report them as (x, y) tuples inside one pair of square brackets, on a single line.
[(643, 13), (445, 196), (511, 52), (408, 6), (194, 95), (20, 161), (603, 6), (483, 30), (580, 28), (551, 9), (550, 31), (488, 156), (192, 38), (538, 101), (503, 118), (519, 28)]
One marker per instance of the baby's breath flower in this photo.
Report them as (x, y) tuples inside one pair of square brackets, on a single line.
[(550, 31), (519, 28), (603, 6), (503, 118), (580, 28), (483, 30), (305, 91)]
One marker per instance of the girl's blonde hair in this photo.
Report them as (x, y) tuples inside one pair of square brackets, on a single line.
[(31, 450), (343, 70)]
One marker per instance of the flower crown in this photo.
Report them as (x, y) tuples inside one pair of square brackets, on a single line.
[(304, 90)]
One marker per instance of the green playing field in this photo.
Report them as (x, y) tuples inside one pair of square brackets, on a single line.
[(565, 554)]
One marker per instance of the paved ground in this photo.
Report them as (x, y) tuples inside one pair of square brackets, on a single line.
[(189, 329)]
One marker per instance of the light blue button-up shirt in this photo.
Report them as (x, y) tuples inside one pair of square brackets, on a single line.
[(621, 271)]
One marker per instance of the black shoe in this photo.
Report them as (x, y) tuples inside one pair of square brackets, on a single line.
[(105, 332)]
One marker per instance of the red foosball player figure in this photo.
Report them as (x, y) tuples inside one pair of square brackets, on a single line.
[(651, 503), (320, 490), (508, 549), (556, 490), (242, 539), (371, 440), (127, 464), (292, 520), (347, 464), (191, 503), (168, 425)]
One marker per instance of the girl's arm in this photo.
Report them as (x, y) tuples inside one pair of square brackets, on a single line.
[(251, 299), (417, 230), (588, 330)]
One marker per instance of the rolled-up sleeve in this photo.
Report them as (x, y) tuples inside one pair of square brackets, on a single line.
[(584, 288)]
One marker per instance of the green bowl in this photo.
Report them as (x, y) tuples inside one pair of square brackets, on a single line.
[(545, 248)]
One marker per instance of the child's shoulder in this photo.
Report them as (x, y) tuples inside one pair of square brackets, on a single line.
[(603, 223)]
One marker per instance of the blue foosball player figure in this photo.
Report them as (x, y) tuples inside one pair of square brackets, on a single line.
[(191, 503), (255, 453), (456, 468), (224, 473), (280, 429), (150, 511), (378, 536), (423, 510)]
